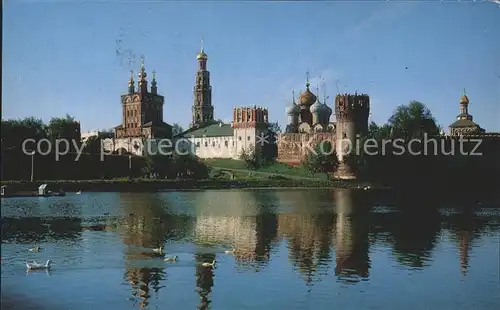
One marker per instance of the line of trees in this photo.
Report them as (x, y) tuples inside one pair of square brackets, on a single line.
[(17, 165)]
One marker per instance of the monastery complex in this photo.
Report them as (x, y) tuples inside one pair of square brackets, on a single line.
[(309, 120)]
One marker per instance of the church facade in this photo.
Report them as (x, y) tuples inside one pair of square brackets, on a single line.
[(142, 118), (309, 123)]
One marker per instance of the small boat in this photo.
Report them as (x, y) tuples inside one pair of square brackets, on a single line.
[(38, 266)]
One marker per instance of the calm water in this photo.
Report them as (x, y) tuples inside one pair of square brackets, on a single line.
[(294, 249)]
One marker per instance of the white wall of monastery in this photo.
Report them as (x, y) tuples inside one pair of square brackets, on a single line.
[(214, 147)]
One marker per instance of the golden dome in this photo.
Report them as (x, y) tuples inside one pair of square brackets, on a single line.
[(307, 98), (464, 99), (201, 55)]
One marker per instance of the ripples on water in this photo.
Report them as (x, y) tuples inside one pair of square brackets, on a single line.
[(294, 249)]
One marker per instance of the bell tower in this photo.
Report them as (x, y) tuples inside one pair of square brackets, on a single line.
[(203, 111)]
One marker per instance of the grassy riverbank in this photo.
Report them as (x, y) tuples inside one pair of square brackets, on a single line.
[(146, 185)]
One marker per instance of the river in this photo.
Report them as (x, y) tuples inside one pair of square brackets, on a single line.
[(293, 249)]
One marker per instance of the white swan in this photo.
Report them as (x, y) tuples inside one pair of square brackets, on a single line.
[(35, 249), (229, 251), (79, 192), (35, 265), (158, 250), (171, 259), (212, 264), (367, 187)]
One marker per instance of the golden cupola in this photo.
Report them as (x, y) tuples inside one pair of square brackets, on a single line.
[(307, 98), (201, 55), (464, 98)]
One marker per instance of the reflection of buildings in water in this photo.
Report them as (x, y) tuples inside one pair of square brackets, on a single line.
[(144, 226), (140, 279), (464, 238), (308, 230), (204, 279), (464, 227), (351, 236), (147, 221), (239, 221)]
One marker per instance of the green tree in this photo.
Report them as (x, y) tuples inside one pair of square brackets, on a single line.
[(177, 129), (412, 120), (249, 156), (63, 127), (379, 132), (188, 167), (14, 132), (269, 144), (322, 159)]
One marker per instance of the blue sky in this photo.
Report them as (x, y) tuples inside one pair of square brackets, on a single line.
[(63, 57)]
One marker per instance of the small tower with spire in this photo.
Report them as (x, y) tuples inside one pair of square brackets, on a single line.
[(203, 111), (464, 125), (154, 89), (464, 104), (131, 86), (143, 83)]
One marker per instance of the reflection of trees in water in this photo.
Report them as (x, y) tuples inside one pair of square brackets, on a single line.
[(414, 235), (308, 231), (413, 232), (351, 238), (204, 279), (266, 232), (266, 224), (38, 229)]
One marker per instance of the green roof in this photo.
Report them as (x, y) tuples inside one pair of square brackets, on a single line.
[(464, 123), (214, 130)]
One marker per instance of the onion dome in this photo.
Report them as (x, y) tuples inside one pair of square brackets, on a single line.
[(307, 98), (201, 54), (292, 109), (328, 110), (317, 107), (464, 98)]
